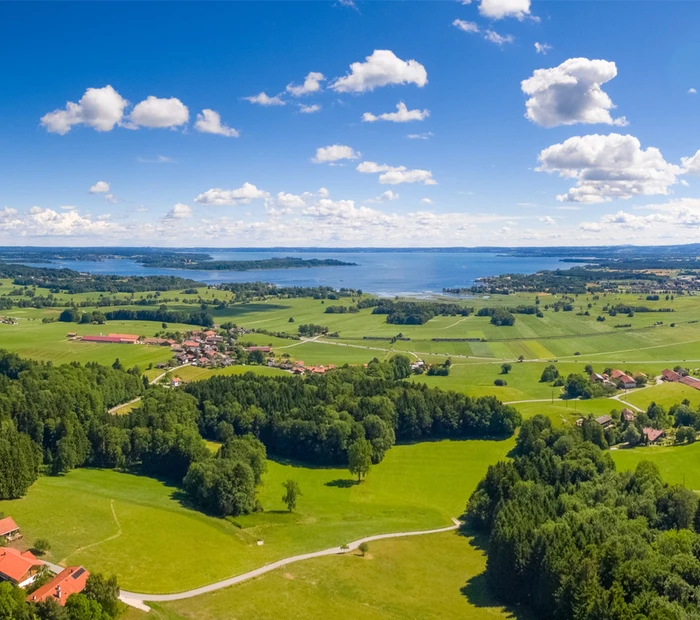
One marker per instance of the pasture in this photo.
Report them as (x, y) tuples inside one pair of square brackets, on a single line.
[(678, 464), (142, 529)]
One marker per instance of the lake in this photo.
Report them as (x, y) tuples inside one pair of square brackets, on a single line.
[(383, 273)]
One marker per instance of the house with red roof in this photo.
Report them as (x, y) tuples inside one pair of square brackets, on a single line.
[(690, 382), (19, 568), (670, 375), (653, 434), (69, 581), (9, 530)]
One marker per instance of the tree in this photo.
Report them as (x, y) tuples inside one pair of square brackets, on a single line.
[(360, 458), (41, 545), (105, 592), (632, 435), (363, 548), (117, 365), (292, 492), (505, 368), (550, 373)]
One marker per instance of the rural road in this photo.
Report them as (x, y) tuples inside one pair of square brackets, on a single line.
[(137, 600), (153, 382)]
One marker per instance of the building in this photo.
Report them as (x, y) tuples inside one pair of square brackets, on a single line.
[(176, 381), (627, 382), (19, 568), (261, 349), (69, 581), (604, 421), (690, 382), (628, 415), (9, 530), (653, 434), (113, 338), (670, 375), (596, 378)]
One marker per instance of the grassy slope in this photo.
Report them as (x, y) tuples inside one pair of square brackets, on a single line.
[(416, 487), (678, 464), (437, 576)]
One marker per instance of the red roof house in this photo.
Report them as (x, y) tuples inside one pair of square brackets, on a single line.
[(8, 528), (17, 567), (653, 434), (69, 581), (670, 375), (691, 382)]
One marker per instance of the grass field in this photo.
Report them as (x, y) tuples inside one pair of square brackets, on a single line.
[(437, 576), (665, 394), (137, 527), (678, 464)]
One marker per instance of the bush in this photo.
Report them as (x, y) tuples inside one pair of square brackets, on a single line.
[(500, 382), (41, 546)]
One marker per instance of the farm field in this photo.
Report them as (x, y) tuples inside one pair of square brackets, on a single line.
[(126, 524), (439, 576), (678, 464), (665, 394)]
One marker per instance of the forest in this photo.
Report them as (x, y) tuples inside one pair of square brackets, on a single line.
[(571, 538)]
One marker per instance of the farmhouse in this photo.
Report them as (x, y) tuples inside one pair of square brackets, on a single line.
[(690, 382), (69, 581), (17, 567), (261, 349), (620, 377), (628, 415), (670, 375), (9, 530), (113, 338), (176, 381), (604, 421), (652, 434)]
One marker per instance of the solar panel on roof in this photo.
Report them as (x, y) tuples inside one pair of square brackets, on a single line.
[(77, 573)]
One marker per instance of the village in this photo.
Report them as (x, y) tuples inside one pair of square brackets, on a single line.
[(213, 348), (42, 580)]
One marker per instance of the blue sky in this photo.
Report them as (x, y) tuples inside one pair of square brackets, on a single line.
[(587, 138)]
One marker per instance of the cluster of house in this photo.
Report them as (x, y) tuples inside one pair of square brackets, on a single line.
[(8, 320), (653, 435), (21, 568), (616, 377), (680, 377)]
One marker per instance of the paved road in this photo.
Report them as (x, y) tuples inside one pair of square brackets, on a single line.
[(153, 382), (136, 599)]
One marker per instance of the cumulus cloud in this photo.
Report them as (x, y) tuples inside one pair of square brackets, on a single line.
[(101, 187), (391, 175), (402, 115), (498, 9), (426, 201), (265, 100), (312, 84), (548, 220), (335, 152), (99, 108), (498, 39), (465, 26), (179, 211), (692, 91), (381, 68), (231, 197), (692, 164), (608, 167), (111, 199), (309, 109), (542, 48), (426, 135), (571, 93), (387, 196), (41, 222), (155, 112), (210, 122)]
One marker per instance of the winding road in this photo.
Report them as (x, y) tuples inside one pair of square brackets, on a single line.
[(138, 600)]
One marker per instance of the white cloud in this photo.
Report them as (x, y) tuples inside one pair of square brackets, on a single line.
[(665, 220), (160, 159), (402, 115), (426, 135), (265, 100), (334, 153), (465, 26), (99, 108), (426, 201), (498, 9), (387, 196), (608, 167), (210, 122), (692, 164), (101, 187), (548, 220), (692, 91), (498, 39), (391, 175), (542, 48), (231, 197), (323, 192), (382, 68), (155, 112), (291, 201), (41, 222), (571, 93), (312, 84), (111, 199), (179, 211), (309, 109)]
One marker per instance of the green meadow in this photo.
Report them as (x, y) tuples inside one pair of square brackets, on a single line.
[(142, 530), (678, 464)]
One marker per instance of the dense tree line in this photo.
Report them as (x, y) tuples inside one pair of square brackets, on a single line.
[(316, 418), (573, 539), (186, 262), (415, 312), (162, 315), (499, 316), (245, 291)]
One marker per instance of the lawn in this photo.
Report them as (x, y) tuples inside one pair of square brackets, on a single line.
[(666, 394), (678, 464), (138, 528), (435, 576)]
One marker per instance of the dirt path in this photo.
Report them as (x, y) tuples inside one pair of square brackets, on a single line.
[(99, 542), (137, 600)]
